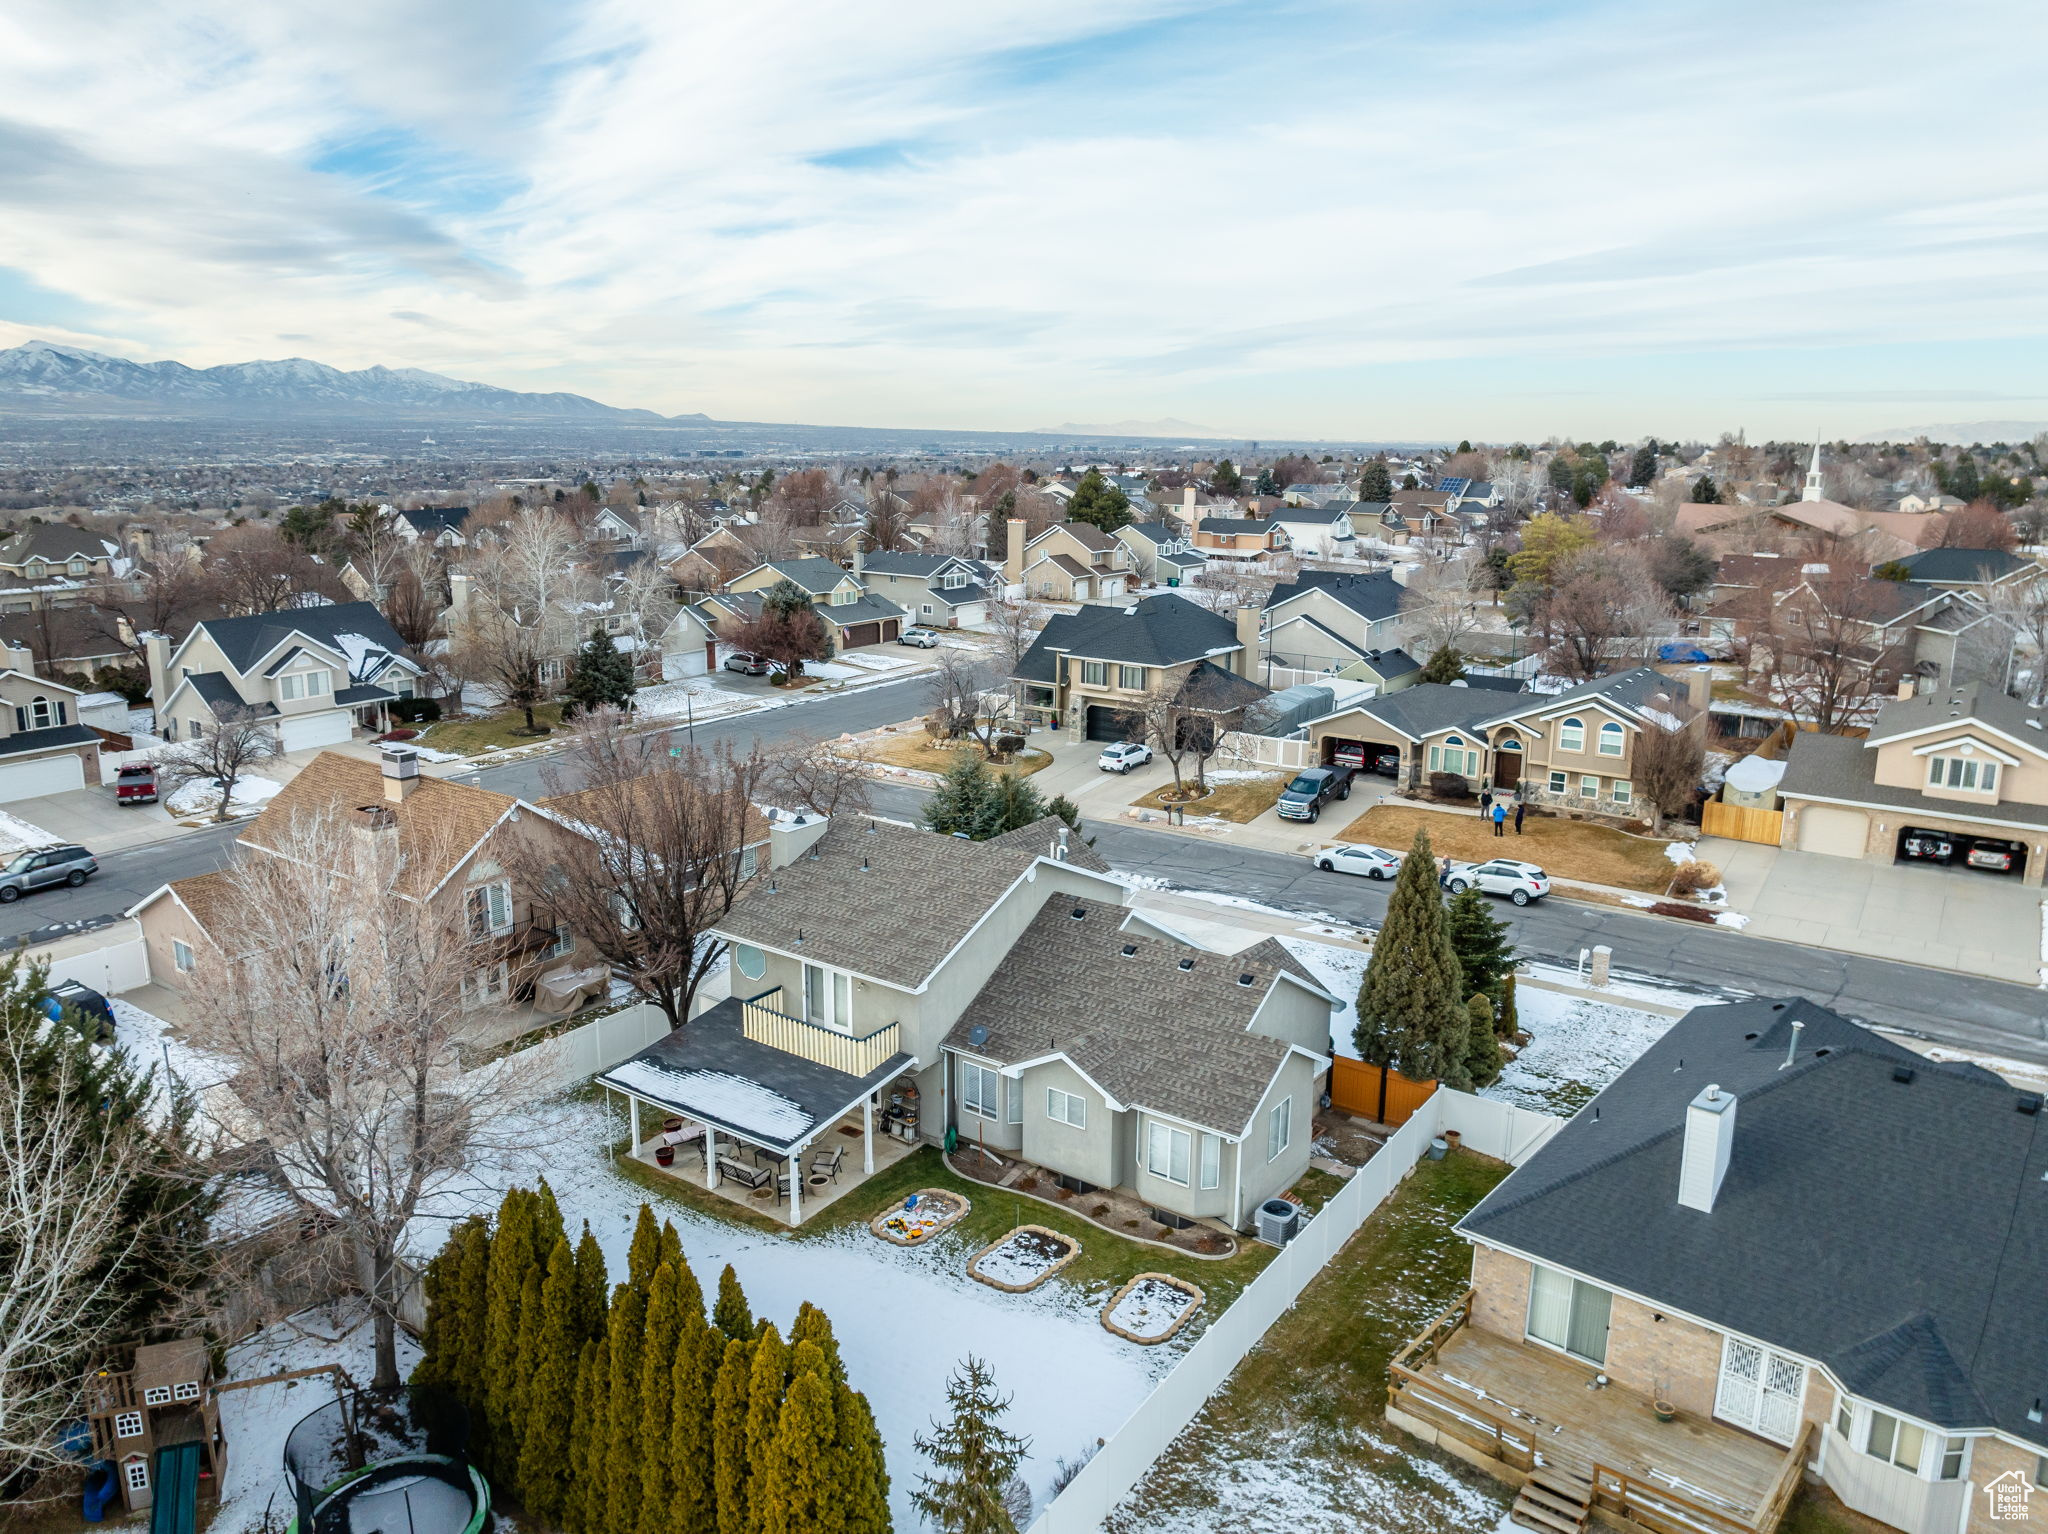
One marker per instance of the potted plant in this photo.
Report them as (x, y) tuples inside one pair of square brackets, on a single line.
[(1664, 1409), (1453, 1138), (664, 1154)]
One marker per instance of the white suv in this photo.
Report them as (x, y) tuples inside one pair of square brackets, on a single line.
[(1123, 756), (1520, 882)]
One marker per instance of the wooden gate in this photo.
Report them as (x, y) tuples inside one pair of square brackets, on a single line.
[(1356, 1088), (1740, 824)]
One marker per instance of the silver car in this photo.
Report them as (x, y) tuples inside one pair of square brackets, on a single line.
[(44, 867)]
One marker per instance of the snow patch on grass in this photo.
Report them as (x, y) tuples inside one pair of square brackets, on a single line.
[(1575, 1048), (202, 795)]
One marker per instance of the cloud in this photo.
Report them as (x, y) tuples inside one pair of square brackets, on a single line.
[(932, 214)]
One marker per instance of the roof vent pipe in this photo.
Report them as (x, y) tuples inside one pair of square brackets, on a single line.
[(1792, 1044)]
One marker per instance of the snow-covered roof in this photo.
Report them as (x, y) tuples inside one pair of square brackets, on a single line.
[(1754, 775)]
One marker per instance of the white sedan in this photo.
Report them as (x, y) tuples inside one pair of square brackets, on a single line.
[(1372, 862), (1520, 882)]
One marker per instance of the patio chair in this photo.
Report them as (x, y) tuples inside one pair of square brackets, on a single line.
[(829, 1162)]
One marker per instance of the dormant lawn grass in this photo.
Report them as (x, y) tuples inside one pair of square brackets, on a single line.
[(1238, 799), (493, 732), (919, 751), (1565, 849)]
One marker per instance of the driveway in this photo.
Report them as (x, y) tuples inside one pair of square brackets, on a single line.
[(1950, 918), (92, 818)]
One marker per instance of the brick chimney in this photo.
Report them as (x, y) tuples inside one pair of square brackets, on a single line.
[(374, 830), (400, 766), (1013, 560)]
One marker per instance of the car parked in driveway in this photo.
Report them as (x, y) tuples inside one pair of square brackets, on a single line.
[(922, 638), (1371, 862), (91, 1011), (747, 665), (45, 866), (1123, 756), (1314, 787), (1520, 882)]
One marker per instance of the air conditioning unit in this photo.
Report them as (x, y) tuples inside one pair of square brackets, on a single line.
[(1279, 1221)]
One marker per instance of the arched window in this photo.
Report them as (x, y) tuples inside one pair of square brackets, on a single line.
[(1610, 740), (1507, 743), (1571, 735), (39, 714)]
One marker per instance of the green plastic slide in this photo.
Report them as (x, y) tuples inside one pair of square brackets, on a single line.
[(174, 1506)]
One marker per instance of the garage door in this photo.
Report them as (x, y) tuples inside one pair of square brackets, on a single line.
[(690, 662), (50, 775), (330, 729), (1838, 833), (1113, 724), (858, 634)]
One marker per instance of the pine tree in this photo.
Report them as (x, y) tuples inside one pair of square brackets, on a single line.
[(862, 1473), (729, 1433), (1482, 1063), (657, 1399), (1508, 1024), (510, 1261), (965, 800), (590, 1286), (814, 1326), (974, 1457), (643, 1254), (732, 1315), (1480, 940), (519, 1398), (1411, 1008), (1375, 483), (1099, 503), (1017, 802), (1445, 665), (693, 1508), (767, 1380), (589, 1436), (551, 1399), (599, 677), (799, 1496), (621, 1460)]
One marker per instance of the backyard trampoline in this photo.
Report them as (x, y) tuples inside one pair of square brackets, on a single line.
[(386, 1462)]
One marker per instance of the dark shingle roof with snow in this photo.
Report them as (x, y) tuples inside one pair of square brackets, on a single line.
[(1374, 596), (244, 641), (1159, 630), (55, 542), (1429, 707)]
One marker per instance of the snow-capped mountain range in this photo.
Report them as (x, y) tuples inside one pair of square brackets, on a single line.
[(47, 378)]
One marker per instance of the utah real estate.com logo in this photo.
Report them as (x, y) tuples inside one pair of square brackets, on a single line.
[(2008, 1496)]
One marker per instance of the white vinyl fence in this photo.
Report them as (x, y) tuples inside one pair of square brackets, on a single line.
[(1265, 751), (576, 1054), (1494, 1129)]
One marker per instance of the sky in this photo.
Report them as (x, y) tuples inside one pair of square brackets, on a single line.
[(1381, 220)]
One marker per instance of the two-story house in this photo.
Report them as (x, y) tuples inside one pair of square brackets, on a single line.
[(1977, 571), (1162, 553), (1319, 532), (51, 562), (46, 745), (1778, 1247), (1068, 562), (1090, 671), (1891, 629), (945, 591), (1004, 992), (319, 673), (1326, 623), (439, 526), (1962, 767), (1240, 540), (854, 617)]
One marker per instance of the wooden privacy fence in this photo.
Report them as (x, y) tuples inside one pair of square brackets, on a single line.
[(1741, 824), (1376, 1091)]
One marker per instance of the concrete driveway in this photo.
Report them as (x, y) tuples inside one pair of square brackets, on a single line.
[(1951, 918)]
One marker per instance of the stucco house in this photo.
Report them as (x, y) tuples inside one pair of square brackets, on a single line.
[(1068, 562), (1319, 532), (1089, 671), (1964, 764), (854, 616), (1162, 553), (1750, 1234), (1326, 622), (46, 747), (1240, 540), (938, 590), (57, 551), (319, 673)]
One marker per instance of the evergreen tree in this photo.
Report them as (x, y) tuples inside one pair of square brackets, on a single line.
[(1224, 478), (658, 1346), (1480, 940), (1893, 570), (966, 799), (1705, 491), (1482, 1062), (862, 1474), (974, 1458), (767, 1380), (693, 1507), (1067, 810), (1411, 1009), (599, 677), (520, 1397), (1099, 503), (546, 1227), (689, 1293), (812, 1325), (731, 1315), (799, 1496), (1018, 803), (621, 1460), (1374, 482), (511, 1259), (457, 1285), (729, 1433), (1445, 666), (1265, 484), (590, 1286), (1507, 1024), (1642, 468), (589, 1436), (551, 1403), (643, 1252)]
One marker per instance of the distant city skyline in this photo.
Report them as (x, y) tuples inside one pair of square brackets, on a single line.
[(1370, 221)]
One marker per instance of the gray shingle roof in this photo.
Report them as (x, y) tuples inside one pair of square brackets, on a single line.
[(895, 919), (1429, 707), (1964, 565), (26, 741), (1894, 1230), (244, 641), (220, 697), (816, 576), (1159, 630), (1956, 704), (1633, 691), (1236, 524), (867, 609), (1841, 767), (1146, 1031), (1374, 597), (55, 542)]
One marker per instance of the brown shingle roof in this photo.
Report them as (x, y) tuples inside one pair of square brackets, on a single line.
[(206, 897)]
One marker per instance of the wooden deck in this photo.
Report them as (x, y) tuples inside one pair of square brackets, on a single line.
[(1521, 1406)]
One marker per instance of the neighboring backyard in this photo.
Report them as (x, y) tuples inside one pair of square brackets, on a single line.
[(1230, 797), (1565, 849), (1297, 1437)]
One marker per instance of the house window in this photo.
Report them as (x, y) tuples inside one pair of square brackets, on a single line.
[(1620, 791), (1589, 787), (564, 943), (845, 596), (1013, 1105), (2041, 1471), (1844, 1416), (978, 1088), (1962, 772), (1453, 756), (1568, 1314), (1895, 1442), (1558, 783), (1280, 1128), (128, 1424), (76, 567), (1212, 1161), (1094, 673), (136, 1472), (1166, 1152), (925, 609), (1610, 740), (181, 955), (490, 909), (1571, 735), (189, 1391), (491, 983), (1131, 678), (1952, 1459), (40, 715), (828, 999), (1066, 1108), (157, 1395), (311, 684), (952, 581)]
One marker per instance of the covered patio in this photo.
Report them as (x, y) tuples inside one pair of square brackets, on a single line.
[(758, 1124)]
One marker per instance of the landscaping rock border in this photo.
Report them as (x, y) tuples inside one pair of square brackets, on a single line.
[(974, 1263), (1172, 1282), (879, 1221)]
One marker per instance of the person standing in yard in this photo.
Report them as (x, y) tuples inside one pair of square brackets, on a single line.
[(1500, 814), (1486, 801), (1521, 809)]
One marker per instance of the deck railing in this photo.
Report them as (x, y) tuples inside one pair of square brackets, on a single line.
[(764, 1022), (1424, 1348)]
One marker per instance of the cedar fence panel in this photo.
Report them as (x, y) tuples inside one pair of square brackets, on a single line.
[(1742, 824), (1355, 1088)]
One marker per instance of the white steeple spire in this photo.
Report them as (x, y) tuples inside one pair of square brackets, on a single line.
[(1813, 492)]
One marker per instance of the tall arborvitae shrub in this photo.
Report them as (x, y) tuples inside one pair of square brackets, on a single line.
[(589, 1436), (731, 1314), (551, 1398), (796, 1494), (765, 1386), (861, 1473), (657, 1399), (1411, 1004), (729, 1433), (622, 1464), (693, 1507)]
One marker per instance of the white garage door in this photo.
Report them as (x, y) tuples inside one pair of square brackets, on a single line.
[(1838, 833), (684, 663), (329, 729), (50, 775)]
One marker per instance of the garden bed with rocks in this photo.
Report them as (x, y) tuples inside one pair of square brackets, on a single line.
[(1151, 1308), (1116, 1210), (1024, 1259), (920, 1217)]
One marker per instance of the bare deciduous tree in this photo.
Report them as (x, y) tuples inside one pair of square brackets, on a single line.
[(1827, 653), (1668, 767), (819, 777), (1015, 626), (491, 648), (961, 683), (167, 591), (1603, 611), (226, 752), (1438, 610), (253, 570), (2019, 617)]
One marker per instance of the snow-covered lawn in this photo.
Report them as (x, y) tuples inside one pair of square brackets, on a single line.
[(17, 834), (1575, 1048), (202, 796)]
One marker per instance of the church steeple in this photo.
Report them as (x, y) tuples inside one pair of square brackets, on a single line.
[(1813, 490)]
